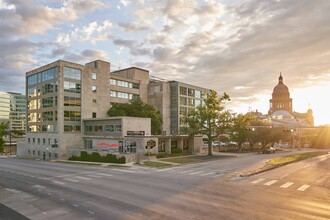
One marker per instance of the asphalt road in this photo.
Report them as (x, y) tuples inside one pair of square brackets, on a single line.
[(209, 190)]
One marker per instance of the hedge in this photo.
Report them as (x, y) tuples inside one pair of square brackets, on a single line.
[(96, 157)]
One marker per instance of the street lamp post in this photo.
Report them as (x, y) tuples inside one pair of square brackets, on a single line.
[(298, 130), (10, 142)]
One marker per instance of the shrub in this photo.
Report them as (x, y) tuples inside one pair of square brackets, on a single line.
[(96, 157), (176, 151)]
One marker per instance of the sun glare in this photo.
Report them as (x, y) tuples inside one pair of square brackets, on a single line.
[(315, 98)]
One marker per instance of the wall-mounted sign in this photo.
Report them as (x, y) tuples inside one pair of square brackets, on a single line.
[(135, 133)]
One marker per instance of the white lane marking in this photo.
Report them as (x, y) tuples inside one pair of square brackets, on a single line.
[(49, 194), (286, 185), (206, 174), (258, 181), (75, 205), (58, 182), (90, 175), (104, 174), (125, 171), (83, 178), (45, 213), (221, 174), (303, 187), (187, 171), (13, 190), (72, 180), (196, 173), (270, 182), (73, 174), (162, 170), (90, 212), (63, 200)]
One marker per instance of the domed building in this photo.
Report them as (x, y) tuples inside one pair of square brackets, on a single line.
[(280, 98), (280, 109)]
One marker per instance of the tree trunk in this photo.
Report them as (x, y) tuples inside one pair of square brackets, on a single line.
[(210, 147)]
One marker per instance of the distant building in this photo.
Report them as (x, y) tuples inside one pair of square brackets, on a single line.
[(280, 111), (13, 110)]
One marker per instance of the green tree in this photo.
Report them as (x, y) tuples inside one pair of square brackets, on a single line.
[(3, 128), (136, 108), (240, 130), (209, 119)]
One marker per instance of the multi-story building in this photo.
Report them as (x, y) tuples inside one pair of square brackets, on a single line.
[(59, 95), (62, 94), (13, 110), (174, 100)]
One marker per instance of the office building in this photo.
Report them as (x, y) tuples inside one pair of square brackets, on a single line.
[(61, 95), (13, 110)]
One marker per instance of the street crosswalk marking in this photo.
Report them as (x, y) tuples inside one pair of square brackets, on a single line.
[(162, 170), (270, 182), (58, 182), (286, 185), (83, 178), (72, 180), (104, 174), (124, 171), (95, 176), (258, 181), (303, 187), (187, 171), (194, 173), (207, 174)]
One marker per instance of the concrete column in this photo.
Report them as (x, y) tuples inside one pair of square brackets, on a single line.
[(168, 146), (180, 143)]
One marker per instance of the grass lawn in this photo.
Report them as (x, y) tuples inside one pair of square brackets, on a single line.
[(293, 158), (156, 164)]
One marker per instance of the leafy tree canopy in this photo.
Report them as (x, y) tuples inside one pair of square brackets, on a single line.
[(136, 108), (3, 128), (209, 119)]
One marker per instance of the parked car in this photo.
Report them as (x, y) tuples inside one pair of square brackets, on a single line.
[(267, 150)]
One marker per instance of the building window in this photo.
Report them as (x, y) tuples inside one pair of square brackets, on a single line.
[(93, 88), (94, 103), (71, 128), (72, 73), (93, 75), (183, 101), (94, 115), (72, 115), (33, 140), (191, 92), (98, 128), (198, 94), (113, 82), (89, 129), (183, 90), (44, 141), (48, 141), (38, 140), (72, 87), (118, 128), (88, 144), (113, 93), (109, 128), (72, 101), (29, 141), (29, 151)]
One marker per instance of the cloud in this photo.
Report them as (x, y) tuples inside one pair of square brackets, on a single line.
[(29, 17), (93, 32), (132, 27)]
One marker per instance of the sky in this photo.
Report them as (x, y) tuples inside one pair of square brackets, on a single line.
[(233, 46)]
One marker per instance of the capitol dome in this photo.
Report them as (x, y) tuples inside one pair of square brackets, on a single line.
[(281, 90), (280, 98)]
